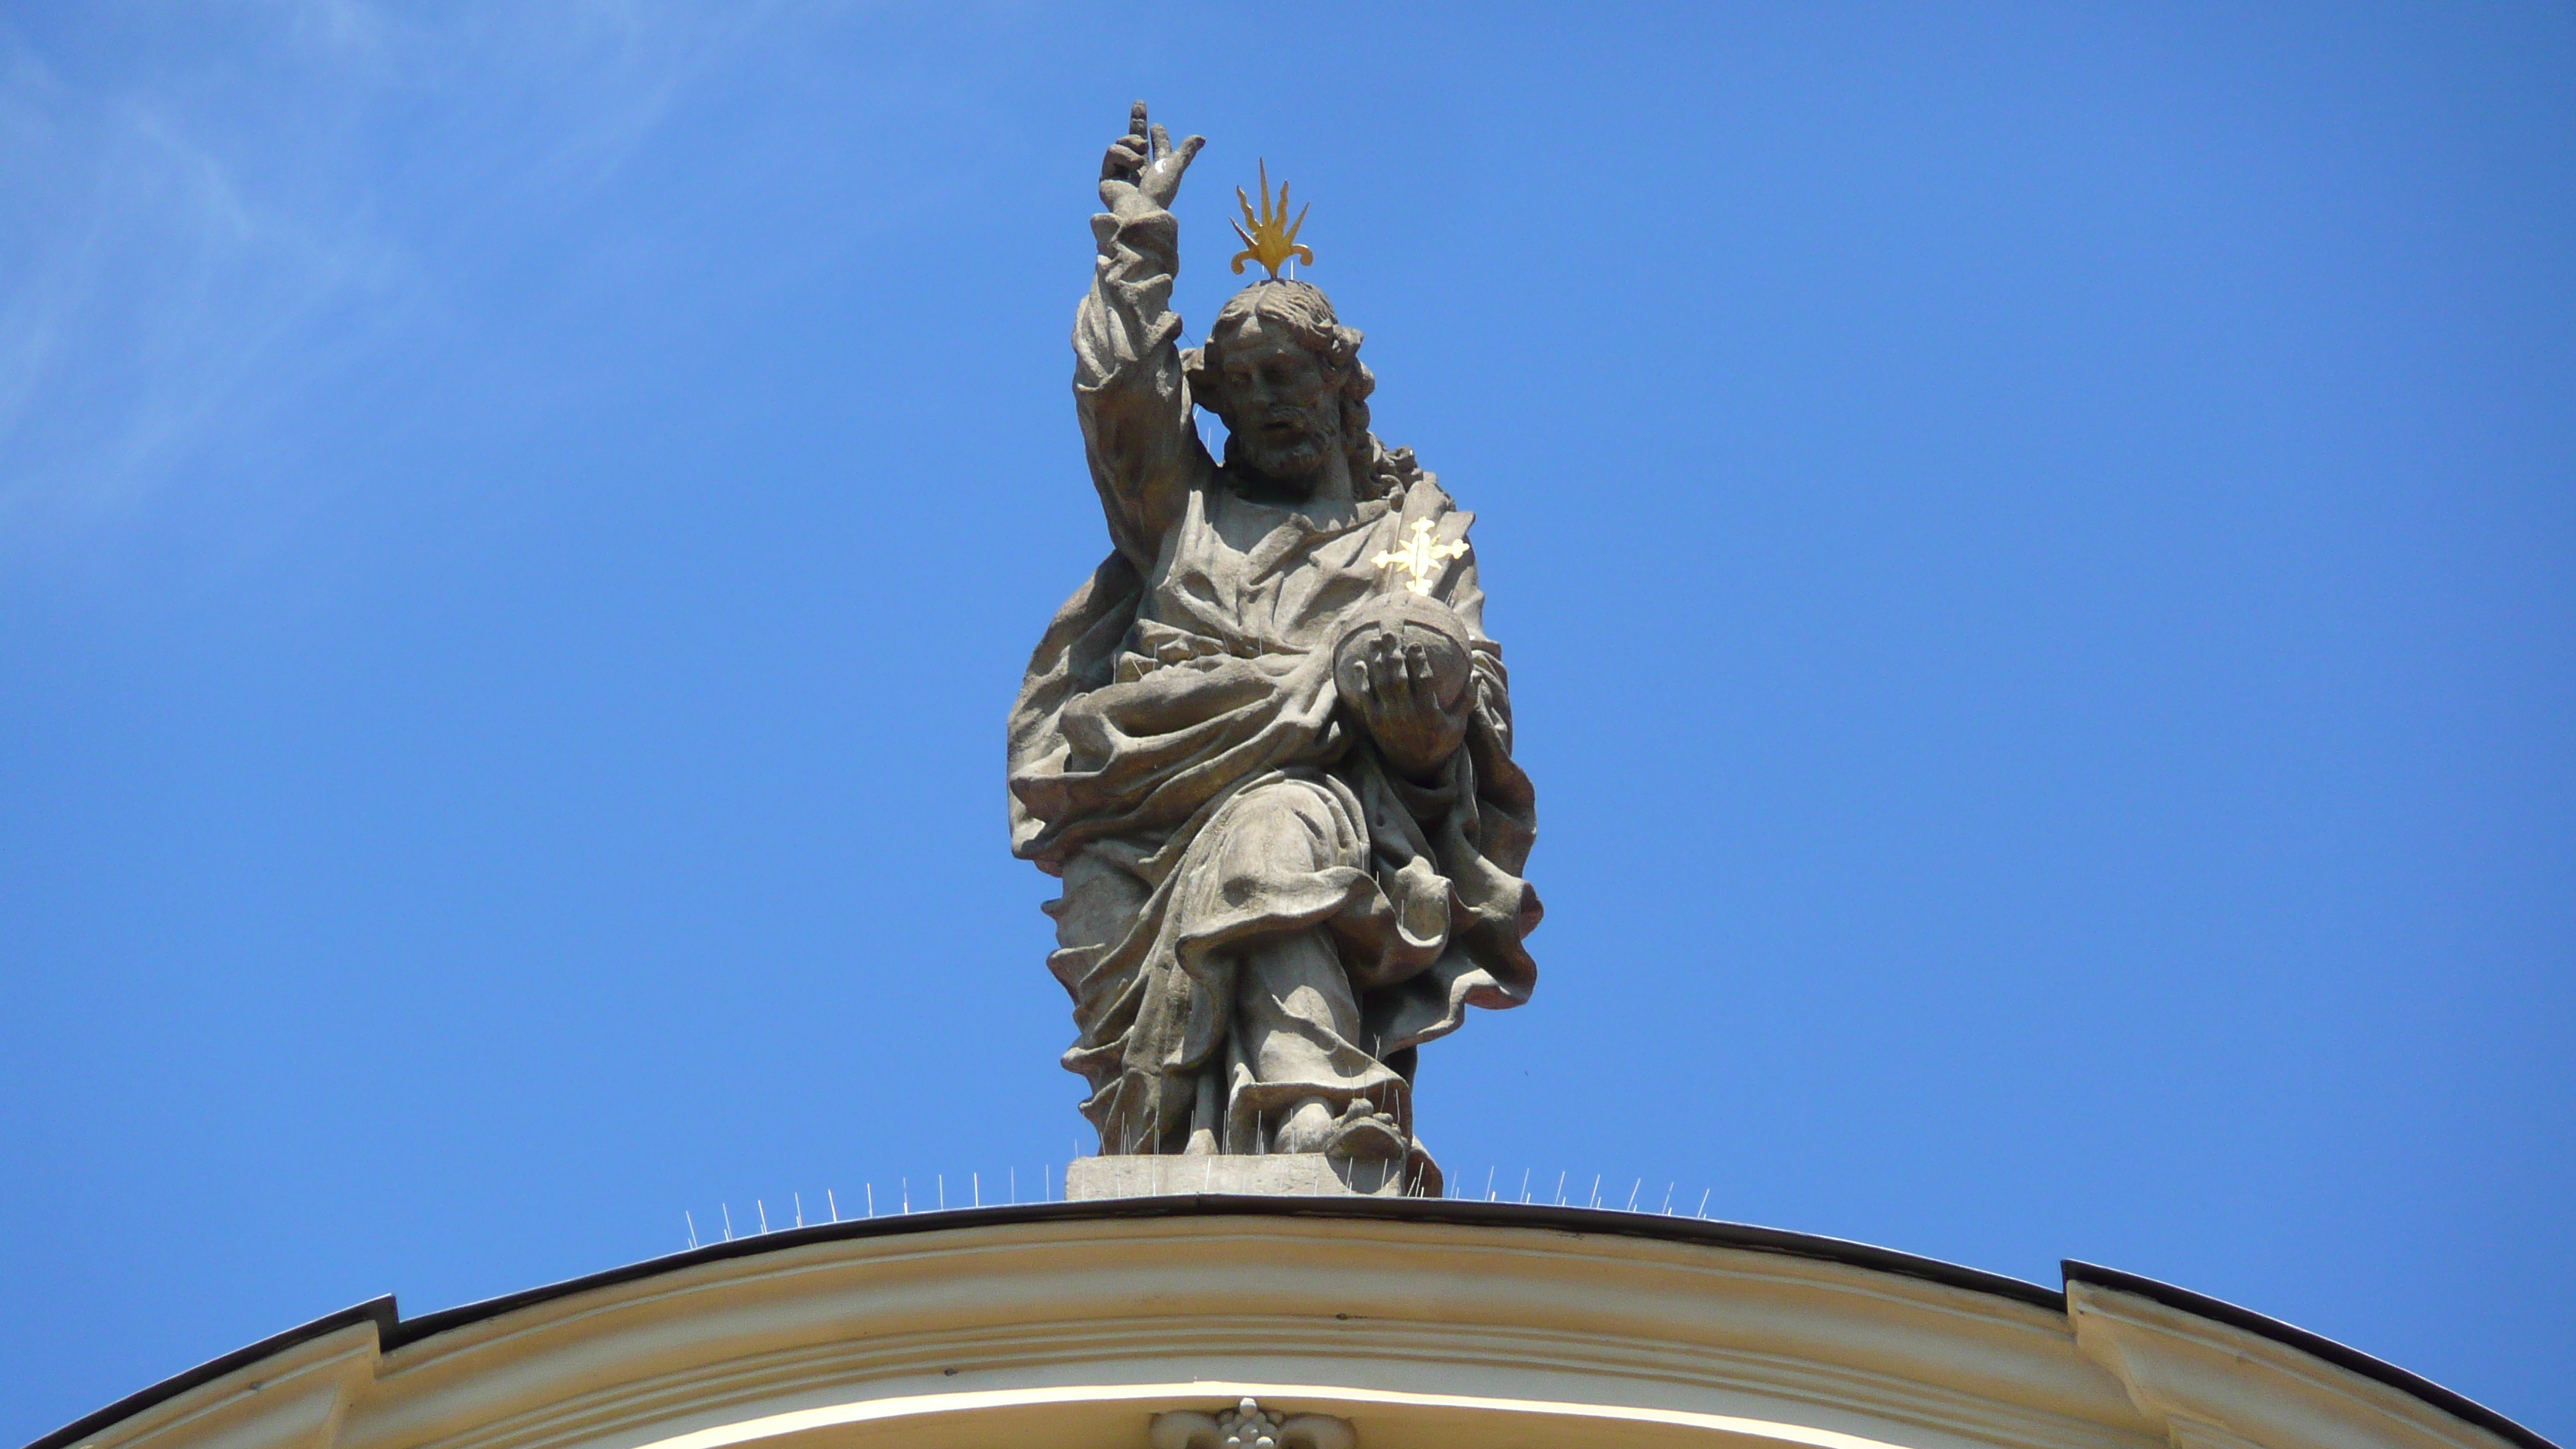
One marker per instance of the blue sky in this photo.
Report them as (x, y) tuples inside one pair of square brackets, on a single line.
[(2033, 544)]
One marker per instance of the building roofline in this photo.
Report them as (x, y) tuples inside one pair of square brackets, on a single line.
[(2315, 1345), (379, 1311), (1186, 1205), (394, 1331)]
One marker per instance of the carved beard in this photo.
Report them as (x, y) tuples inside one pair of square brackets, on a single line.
[(1294, 460)]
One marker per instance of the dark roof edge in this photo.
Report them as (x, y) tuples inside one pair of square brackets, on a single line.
[(1460, 1211), (2200, 1305), (393, 1331), (379, 1311)]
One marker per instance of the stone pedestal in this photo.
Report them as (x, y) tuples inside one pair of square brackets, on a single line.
[(1298, 1174)]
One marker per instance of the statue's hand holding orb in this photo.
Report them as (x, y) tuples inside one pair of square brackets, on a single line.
[(1143, 167), (1404, 668)]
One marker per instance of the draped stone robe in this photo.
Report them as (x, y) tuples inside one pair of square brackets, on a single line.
[(1180, 758)]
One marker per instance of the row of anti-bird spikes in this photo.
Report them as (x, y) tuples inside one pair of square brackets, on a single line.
[(1593, 1199), (902, 1196), (902, 1199)]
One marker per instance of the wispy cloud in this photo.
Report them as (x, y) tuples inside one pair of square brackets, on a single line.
[(215, 206)]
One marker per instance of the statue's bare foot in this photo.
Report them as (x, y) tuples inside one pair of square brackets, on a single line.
[(1309, 1126), (1366, 1134)]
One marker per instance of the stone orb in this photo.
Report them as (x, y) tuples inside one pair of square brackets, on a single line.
[(1414, 621)]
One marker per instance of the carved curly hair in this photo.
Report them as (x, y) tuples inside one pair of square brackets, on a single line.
[(1307, 315)]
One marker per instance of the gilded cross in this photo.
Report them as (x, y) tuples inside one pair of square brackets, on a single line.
[(1420, 557)]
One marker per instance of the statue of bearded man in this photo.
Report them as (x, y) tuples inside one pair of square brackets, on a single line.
[(1270, 762)]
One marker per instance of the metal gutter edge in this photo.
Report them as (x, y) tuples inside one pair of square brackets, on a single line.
[(1183, 1205), (379, 1311), (394, 1331), (2200, 1305)]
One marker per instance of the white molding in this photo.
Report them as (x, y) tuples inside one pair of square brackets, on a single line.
[(1425, 1334), (2207, 1385), (293, 1399)]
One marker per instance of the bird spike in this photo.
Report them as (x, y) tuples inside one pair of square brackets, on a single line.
[(1268, 236)]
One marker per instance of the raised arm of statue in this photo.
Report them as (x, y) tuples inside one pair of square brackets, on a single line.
[(1137, 428)]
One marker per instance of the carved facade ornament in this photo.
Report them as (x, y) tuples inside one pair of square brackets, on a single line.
[(1249, 1426)]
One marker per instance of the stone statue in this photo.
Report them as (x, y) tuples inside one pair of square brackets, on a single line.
[(1267, 747)]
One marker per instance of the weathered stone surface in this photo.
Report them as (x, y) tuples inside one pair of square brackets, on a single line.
[(1267, 747), (1296, 1174)]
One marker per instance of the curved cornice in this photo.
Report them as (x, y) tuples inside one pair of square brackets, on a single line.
[(1652, 1326)]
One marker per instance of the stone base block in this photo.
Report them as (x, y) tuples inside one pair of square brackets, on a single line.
[(1298, 1174)]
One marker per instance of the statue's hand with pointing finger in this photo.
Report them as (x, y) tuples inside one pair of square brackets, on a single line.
[(1143, 169)]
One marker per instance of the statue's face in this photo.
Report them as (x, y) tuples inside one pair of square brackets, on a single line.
[(1282, 410)]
